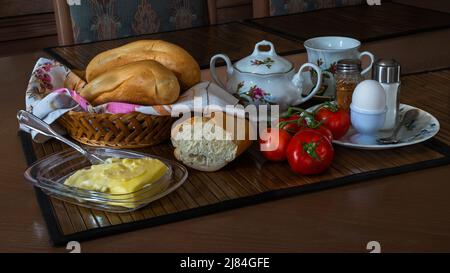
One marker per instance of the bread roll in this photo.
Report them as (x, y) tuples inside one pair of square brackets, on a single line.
[(171, 56), (209, 144), (143, 83)]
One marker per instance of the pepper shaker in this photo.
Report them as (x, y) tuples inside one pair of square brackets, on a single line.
[(387, 72), (348, 76)]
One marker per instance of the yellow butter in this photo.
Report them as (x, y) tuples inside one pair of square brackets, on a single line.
[(118, 176)]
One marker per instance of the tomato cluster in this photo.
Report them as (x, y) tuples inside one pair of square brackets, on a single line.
[(305, 139)]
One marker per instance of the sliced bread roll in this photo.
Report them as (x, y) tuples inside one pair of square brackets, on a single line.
[(210, 143), (175, 58), (143, 83)]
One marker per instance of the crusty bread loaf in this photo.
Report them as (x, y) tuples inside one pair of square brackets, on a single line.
[(178, 60), (143, 83), (210, 143)]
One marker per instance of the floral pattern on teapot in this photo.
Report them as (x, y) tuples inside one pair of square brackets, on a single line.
[(254, 95), (268, 62)]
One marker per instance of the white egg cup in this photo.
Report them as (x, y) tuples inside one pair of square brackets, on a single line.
[(367, 123)]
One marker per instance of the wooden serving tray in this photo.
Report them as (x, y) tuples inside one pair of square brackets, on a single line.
[(248, 180)]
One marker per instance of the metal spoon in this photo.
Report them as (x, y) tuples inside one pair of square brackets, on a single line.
[(408, 117), (32, 122)]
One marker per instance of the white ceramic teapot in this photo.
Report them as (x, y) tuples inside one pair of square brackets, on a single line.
[(266, 78)]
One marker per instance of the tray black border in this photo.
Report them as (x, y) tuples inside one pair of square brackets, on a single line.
[(59, 239)]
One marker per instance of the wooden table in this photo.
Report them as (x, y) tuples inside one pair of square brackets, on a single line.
[(408, 212), (365, 23), (235, 39)]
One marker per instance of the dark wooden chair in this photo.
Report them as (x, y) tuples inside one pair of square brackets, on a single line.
[(95, 20)]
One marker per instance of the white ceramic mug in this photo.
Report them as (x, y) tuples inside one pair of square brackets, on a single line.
[(327, 51)]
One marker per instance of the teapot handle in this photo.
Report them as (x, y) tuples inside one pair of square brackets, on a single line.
[(298, 82), (271, 51), (212, 66)]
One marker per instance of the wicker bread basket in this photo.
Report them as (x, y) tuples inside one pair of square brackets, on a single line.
[(132, 130)]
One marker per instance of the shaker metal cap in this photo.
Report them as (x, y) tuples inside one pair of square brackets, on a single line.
[(386, 71), (349, 66)]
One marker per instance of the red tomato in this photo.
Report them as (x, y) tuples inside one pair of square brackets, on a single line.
[(336, 120), (301, 122), (273, 144), (309, 153), (321, 130)]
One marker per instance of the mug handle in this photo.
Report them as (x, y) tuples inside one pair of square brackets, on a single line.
[(372, 60), (212, 66), (297, 81)]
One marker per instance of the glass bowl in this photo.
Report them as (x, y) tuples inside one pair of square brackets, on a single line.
[(50, 173)]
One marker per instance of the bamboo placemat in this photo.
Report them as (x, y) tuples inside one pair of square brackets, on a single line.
[(251, 179)]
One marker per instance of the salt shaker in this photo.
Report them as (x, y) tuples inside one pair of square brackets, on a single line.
[(387, 72)]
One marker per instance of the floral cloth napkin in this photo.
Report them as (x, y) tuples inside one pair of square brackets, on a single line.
[(50, 94)]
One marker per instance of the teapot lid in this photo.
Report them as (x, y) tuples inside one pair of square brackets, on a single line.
[(264, 62)]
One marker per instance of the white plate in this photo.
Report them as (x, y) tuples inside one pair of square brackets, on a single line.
[(423, 128)]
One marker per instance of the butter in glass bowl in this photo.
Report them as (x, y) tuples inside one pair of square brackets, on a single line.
[(119, 177), (132, 186)]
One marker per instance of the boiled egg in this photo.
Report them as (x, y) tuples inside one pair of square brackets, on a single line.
[(369, 95)]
